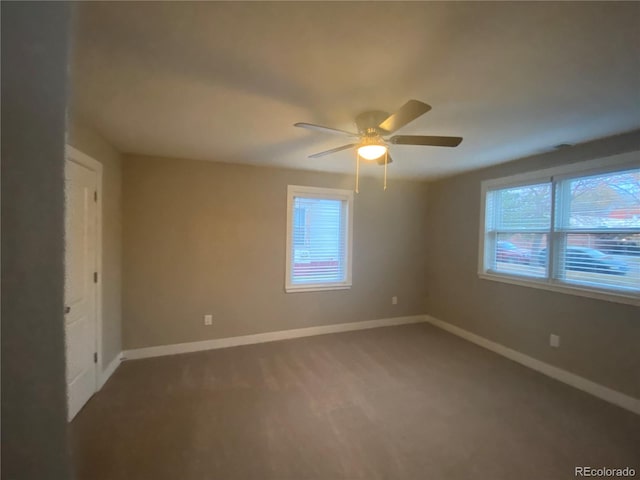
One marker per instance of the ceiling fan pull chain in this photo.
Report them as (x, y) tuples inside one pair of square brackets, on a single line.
[(386, 157), (357, 171)]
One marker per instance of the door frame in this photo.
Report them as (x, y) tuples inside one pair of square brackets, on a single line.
[(74, 155)]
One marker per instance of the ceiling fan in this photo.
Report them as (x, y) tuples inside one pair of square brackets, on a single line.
[(374, 127)]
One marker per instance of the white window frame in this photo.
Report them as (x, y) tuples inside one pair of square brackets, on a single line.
[(324, 194), (613, 163)]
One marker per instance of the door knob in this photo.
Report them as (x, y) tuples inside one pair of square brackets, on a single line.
[(67, 309)]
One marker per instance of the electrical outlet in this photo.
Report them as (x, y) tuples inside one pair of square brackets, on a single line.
[(554, 340), (208, 319), (394, 300)]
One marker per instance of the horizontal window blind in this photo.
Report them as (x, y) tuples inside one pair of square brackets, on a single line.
[(318, 253), (518, 222), (523, 208), (598, 230)]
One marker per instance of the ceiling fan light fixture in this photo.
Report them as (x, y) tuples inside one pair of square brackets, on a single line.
[(372, 149), (371, 152)]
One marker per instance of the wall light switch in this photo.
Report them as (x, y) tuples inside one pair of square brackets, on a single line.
[(554, 340), (394, 300), (208, 319)]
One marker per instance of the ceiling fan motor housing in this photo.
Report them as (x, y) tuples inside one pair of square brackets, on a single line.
[(367, 123)]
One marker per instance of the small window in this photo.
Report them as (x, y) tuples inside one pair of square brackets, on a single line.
[(565, 230), (319, 226)]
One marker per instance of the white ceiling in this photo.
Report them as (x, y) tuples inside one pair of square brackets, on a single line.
[(226, 81)]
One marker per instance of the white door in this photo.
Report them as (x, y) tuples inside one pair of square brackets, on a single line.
[(80, 284)]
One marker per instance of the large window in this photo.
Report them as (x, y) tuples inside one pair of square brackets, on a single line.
[(576, 231), (319, 229)]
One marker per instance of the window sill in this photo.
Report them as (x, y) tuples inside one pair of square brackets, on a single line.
[(316, 288), (609, 296)]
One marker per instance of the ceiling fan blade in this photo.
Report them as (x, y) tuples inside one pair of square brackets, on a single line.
[(333, 150), (407, 113), (425, 140), (380, 160), (320, 128)]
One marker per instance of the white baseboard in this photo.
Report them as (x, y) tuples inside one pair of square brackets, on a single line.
[(107, 372), (177, 348), (605, 393)]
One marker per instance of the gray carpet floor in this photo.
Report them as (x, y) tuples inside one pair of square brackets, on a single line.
[(407, 402)]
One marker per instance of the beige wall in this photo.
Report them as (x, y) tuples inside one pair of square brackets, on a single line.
[(599, 340), (35, 40), (203, 237), (91, 143)]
